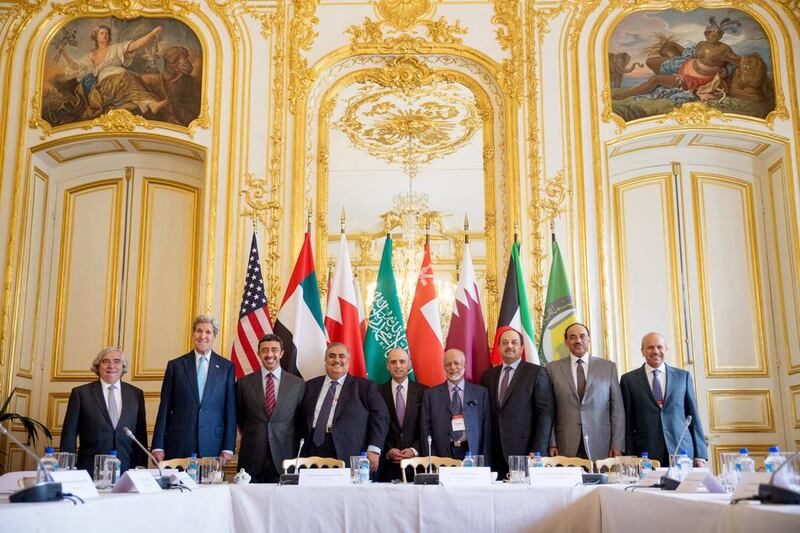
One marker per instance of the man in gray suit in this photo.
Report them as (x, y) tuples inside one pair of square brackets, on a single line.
[(657, 399), (588, 401), (267, 406)]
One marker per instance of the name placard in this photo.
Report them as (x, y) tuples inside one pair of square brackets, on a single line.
[(653, 477), (183, 479), (140, 481), (563, 476), (324, 477), (748, 485), (692, 482), (459, 476), (77, 482)]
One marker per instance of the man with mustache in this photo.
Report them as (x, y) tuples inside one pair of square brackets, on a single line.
[(344, 415), (521, 400), (588, 402)]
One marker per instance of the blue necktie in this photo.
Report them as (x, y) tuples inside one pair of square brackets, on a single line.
[(658, 394), (201, 376), (324, 414)]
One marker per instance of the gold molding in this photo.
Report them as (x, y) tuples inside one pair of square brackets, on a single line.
[(146, 230), (794, 393), (20, 394), (193, 154), (301, 30), (55, 423), (675, 141), (119, 147), (764, 395), (151, 395), (745, 190), (65, 263), (509, 37), (697, 141)]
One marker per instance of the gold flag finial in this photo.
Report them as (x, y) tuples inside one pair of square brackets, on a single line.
[(427, 231), (516, 232), (341, 221), (466, 229), (308, 219)]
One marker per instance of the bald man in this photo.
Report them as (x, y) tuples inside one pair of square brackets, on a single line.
[(657, 399)]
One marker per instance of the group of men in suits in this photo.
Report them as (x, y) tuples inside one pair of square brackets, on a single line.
[(575, 406)]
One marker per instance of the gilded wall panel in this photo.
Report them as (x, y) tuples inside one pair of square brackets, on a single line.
[(56, 409), (741, 410)]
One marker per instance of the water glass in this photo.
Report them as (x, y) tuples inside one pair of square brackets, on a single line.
[(99, 466), (210, 470), (354, 468), (728, 470), (479, 460), (66, 460), (627, 471), (517, 468)]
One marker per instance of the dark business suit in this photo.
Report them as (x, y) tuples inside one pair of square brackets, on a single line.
[(87, 419), (405, 435), (267, 440), (436, 419), (655, 430), (184, 424), (521, 424), (360, 418)]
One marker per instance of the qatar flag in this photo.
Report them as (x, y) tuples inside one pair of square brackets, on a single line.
[(341, 317)]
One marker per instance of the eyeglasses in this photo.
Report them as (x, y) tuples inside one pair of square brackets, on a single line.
[(110, 362)]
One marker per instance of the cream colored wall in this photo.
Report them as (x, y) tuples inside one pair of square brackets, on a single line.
[(551, 73)]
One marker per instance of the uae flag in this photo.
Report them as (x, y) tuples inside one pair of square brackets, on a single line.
[(341, 316), (385, 330), (254, 319), (424, 328), (467, 327), (299, 323), (514, 311), (559, 311)]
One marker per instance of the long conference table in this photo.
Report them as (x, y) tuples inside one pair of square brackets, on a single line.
[(383, 507)]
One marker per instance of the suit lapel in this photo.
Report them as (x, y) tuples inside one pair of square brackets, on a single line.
[(566, 372), (190, 368), (283, 392), (669, 378), (592, 374), (97, 392), (515, 380), (127, 403), (214, 370), (410, 398), (347, 391), (641, 375)]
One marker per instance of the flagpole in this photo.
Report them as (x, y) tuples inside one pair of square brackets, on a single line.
[(466, 229), (341, 221), (553, 229), (308, 220)]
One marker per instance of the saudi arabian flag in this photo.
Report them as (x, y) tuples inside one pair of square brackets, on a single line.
[(385, 330), (559, 310)]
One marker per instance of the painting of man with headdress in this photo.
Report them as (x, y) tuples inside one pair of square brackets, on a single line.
[(733, 76), (148, 67)]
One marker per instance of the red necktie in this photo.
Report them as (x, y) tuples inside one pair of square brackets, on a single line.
[(269, 396)]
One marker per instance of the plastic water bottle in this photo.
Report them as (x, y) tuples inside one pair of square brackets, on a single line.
[(537, 462), (684, 464), (112, 469), (645, 465), (744, 463), (773, 460), (468, 461), (192, 467), (49, 463), (363, 468)]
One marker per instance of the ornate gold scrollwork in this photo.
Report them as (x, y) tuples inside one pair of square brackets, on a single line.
[(608, 114), (509, 36), (404, 14), (119, 120), (301, 29), (256, 193), (694, 114), (125, 9)]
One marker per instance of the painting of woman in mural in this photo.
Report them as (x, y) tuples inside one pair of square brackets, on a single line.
[(734, 76), (139, 72)]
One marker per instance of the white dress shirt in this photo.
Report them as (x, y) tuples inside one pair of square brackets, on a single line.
[(117, 394), (276, 379), (574, 361), (511, 372), (324, 392), (403, 392), (197, 356), (662, 377)]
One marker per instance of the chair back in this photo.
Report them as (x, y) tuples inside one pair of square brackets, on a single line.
[(311, 462), (562, 460), (182, 462), (605, 465), (420, 464)]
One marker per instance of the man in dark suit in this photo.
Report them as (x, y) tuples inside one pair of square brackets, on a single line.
[(97, 412), (522, 404), (455, 414), (403, 397), (344, 414), (267, 405), (197, 413), (657, 399)]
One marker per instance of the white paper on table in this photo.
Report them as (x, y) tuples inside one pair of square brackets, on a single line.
[(183, 479), (693, 481), (562, 476), (713, 484), (748, 485), (323, 477), (461, 476), (77, 482), (10, 481), (653, 477), (140, 481)]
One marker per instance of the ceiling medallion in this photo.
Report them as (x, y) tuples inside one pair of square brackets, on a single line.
[(411, 126), (404, 14)]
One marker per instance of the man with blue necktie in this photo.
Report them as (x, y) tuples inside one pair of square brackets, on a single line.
[(197, 413), (657, 399)]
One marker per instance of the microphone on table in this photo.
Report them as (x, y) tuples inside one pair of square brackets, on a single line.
[(293, 479), (43, 491), (428, 478), (771, 493), (591, 478), (668, 482), (162, 480)]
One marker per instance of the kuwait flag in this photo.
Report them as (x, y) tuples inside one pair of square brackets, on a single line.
[(514, 312), (299, 322), (341, 317), (467, 327), (385, 329), (424, 328), (559, 311)]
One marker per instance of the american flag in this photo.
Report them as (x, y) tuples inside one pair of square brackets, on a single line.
[(254, 321)]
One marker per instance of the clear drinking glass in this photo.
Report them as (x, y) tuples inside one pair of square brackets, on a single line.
[(479, 460), (210, 470), (66, 460), (728, 470), (99, 466), (354, 468), (517, 466)]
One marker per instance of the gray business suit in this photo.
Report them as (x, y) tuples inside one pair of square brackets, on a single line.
[(600, 415), (278, 434)]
